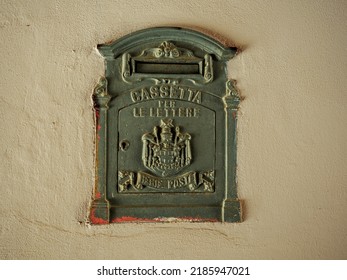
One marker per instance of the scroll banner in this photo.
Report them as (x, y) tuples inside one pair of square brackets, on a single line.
[(190, 181), (187, 180)]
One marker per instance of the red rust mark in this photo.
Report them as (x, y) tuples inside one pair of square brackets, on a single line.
[(97, 114), (97, 220), (99, 126), (98, 195), (234, 115), (129, 219)]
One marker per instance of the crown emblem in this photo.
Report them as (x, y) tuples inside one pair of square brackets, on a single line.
[(166, 150)]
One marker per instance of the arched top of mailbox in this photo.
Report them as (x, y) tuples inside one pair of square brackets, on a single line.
[(160, 34)]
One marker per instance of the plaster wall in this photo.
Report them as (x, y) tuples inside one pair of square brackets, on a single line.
[(292, 131)]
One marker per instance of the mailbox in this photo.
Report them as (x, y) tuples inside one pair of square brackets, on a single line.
[(165, 130)]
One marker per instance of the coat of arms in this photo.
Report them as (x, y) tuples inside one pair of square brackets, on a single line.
[(166, 150)]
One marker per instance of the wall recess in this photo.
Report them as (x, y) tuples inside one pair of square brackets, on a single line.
[(166, 130)]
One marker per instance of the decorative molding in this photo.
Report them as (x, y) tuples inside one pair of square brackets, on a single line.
[(192, 181), (166, 50), (144, 37), (99, 213), (208, 68), (232, 97), (100, 94)]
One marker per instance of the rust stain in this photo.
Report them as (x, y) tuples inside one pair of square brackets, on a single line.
[(99, 126), (98, 195), (96, 220)]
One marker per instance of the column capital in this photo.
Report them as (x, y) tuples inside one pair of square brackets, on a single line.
[(232, 97), (101, 96)]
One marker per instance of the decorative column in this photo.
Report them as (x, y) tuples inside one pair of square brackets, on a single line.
[(99, 213), (231, 208)]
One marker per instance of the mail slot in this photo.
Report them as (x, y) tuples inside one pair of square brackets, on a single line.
[(166, 119), (167, 68)]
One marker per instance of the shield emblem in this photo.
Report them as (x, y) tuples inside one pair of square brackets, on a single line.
[(166, 150)]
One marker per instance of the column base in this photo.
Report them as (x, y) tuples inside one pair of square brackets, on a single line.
[(99, 212), (232, 211)]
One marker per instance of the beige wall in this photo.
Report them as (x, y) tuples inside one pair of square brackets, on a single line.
[(292, 149)]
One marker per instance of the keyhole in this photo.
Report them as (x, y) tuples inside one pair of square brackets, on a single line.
[(124, 145)]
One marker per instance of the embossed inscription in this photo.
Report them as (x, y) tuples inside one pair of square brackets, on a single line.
[(166, 91), (166, 109), (189, 182)]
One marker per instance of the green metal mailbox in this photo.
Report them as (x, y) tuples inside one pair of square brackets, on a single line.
[(165, 130)]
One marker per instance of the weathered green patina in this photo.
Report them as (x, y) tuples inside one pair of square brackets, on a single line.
[(165, 130)]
